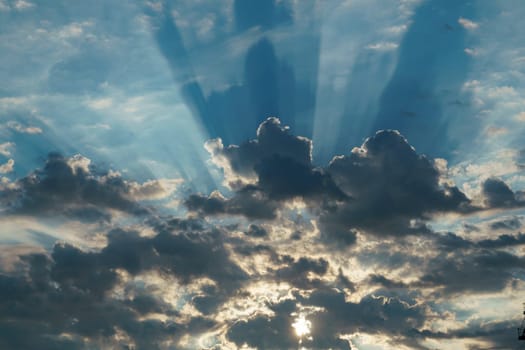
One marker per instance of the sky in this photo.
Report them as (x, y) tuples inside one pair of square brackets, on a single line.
[(262, 174)]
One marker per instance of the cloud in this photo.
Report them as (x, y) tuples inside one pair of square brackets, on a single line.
[(480, 271), (248, 202), (393, 189), (383, 46), (383, 187), (7, 167), (101, 103), (69, 291), (22, 4), (300, 272), (354, 247), (274, 167), (16, 126), (497, 194), (512, 223), (494, 131), (468, 24), (334, 317), (256, 231), (19, 5), (6, 148), (470, 51), (276, 162), (67, 186)]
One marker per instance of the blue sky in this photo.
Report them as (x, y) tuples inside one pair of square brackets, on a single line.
[(216, 172)]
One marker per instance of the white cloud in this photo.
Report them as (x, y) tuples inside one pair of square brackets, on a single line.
[(16, 126), (7, 102), (395, 30), (101, 103), (154, 189), (155, 6), (71, 30), (79, 162), (205, 26), (471, 84), (5, 148), (471, 52), (502, 91), (7, 167), (494, 131), (468, 24), (22, 5), (383, 46), (501, 163), (520, 117)]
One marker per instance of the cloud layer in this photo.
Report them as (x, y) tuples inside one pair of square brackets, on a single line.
[(351, 247)]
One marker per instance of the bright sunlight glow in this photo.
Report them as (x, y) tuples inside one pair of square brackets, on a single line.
[(302, 326)]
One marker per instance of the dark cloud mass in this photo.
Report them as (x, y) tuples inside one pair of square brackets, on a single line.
[(70, 293), (382, 187), (349, 247), (75, 188), (390, 185)]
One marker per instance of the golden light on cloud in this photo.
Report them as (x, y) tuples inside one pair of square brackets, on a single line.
[(301, 326)]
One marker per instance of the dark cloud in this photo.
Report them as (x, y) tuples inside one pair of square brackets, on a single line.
[(281, 162), (249, 202), (256, 231), (480, 271), (470, 228), (503, 241), (494, 335), (512, 223), (373, 314), (451, 241), (71, 291), (498, 194), (384, 187), (393, 188), (52, 300), (335, 317), (386, 282), (282, 166), (297, 272), (74, 188), (264, 332), (273, 139)]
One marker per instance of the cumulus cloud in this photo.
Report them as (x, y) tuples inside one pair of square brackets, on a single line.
[(274, 167), (393, 188), (383, 187), (67, 186)]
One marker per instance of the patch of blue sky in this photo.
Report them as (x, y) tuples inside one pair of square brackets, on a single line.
[(96, 84)]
